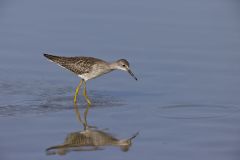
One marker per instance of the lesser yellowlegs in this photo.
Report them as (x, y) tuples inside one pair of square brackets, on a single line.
[(89, 68)]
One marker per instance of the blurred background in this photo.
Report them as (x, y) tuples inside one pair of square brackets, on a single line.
[(184, 53)]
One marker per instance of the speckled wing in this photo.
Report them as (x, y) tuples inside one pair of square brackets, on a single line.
[(78, 65)]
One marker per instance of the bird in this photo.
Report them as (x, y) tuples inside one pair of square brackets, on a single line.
[(88, 68)]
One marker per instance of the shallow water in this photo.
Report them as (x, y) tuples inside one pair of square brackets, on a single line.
[(184, 53)]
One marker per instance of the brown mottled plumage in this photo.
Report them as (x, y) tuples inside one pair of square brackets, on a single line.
[(78, 65)]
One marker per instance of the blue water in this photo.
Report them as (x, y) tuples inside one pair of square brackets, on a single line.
[(184, 53)]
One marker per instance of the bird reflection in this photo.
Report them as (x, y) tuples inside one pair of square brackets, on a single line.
[(89, 139)]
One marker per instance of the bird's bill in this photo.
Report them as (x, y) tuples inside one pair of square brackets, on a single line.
[(131, 73)]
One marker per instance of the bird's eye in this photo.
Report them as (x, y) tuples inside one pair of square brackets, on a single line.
[(124, 65)]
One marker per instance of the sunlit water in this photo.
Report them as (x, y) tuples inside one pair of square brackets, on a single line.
[(184, 53)]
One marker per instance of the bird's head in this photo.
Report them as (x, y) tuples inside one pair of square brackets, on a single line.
[(123, 64)]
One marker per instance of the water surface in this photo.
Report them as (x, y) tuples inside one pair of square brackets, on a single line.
[(184, 53)]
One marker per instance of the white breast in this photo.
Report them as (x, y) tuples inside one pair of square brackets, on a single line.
[(97, 70)]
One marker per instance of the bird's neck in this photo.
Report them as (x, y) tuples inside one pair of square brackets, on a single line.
[(113, 66)]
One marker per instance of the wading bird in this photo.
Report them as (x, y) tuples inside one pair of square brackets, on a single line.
[(88, 68)]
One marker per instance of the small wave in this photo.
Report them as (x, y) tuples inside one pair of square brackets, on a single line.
[(197, 111)]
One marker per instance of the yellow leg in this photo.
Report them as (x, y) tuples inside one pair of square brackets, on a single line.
[(85, 94), (76, 92), (75, 102), (78, 115), (85, 123), (85, 118)]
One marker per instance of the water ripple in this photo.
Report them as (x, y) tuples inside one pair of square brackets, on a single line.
[(197, 111), (26, 98)]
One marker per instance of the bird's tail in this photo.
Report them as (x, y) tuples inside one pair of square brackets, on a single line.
[(52, 58)]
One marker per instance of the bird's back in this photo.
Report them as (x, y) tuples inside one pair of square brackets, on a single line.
[(78, 65)]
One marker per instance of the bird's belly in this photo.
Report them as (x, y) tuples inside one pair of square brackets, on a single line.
[(92, 75)]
